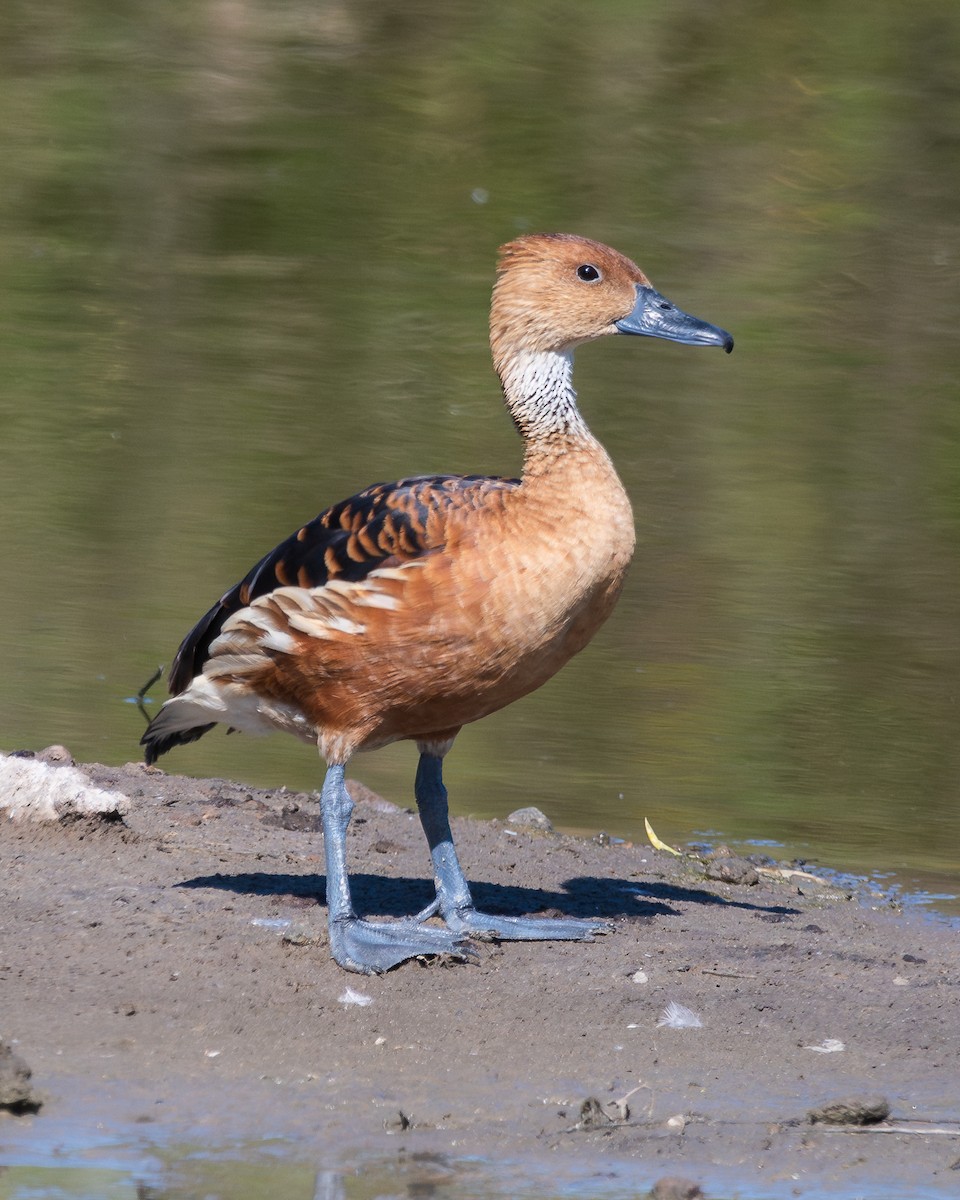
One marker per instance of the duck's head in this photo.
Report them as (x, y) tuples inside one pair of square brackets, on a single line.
[(555, 291)]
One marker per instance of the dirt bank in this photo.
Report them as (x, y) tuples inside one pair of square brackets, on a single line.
[(170, 968)]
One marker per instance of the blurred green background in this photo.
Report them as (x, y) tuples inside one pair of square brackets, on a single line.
[(245, 258)]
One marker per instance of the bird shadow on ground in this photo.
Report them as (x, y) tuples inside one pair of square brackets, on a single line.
[(582, 896)]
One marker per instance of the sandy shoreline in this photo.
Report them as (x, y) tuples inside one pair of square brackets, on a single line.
[(168, 971)]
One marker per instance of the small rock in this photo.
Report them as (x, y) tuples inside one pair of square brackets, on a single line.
[(33, 790), (360, 794), (531, 818), (856, 1111), (56, 756), (16, 1094), (730, 869), (761, 860), (672, 1187)]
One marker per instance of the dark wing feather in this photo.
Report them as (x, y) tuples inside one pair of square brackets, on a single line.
[(386, 521)]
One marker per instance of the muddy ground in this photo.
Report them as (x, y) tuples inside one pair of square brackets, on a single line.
[(168, 973)]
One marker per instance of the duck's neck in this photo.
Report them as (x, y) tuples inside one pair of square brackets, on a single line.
[(538, 389)]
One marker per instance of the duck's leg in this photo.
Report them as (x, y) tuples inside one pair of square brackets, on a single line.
[(366, 946), (454, 902)]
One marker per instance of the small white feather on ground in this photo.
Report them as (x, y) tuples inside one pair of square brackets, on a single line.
[(349, 996), (678, 1016), (828, 1046), (31, 790)]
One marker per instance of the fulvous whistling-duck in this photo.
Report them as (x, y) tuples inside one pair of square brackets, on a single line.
[(417, 606)]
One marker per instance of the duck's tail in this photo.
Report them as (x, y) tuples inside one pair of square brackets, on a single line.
[(179, 721)]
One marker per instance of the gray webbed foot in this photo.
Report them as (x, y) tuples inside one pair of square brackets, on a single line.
[(370, 947), (453, 901)]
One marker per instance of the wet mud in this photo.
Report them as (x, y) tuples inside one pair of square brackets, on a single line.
[(742, 1030)]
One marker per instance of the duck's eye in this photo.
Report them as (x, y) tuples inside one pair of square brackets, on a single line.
[(588, 273)]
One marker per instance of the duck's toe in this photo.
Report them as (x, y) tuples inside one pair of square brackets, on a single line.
[(471, 923)]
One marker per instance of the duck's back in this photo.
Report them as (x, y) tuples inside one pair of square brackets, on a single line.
[(382, 526)]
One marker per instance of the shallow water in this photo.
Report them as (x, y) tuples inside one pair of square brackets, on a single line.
[(246, 264), (249, 1172), (198, 1178)]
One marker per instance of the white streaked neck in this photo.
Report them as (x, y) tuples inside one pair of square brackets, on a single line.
[(538, 389)]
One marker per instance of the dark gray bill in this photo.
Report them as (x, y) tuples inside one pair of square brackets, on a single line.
[(654, 316)]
